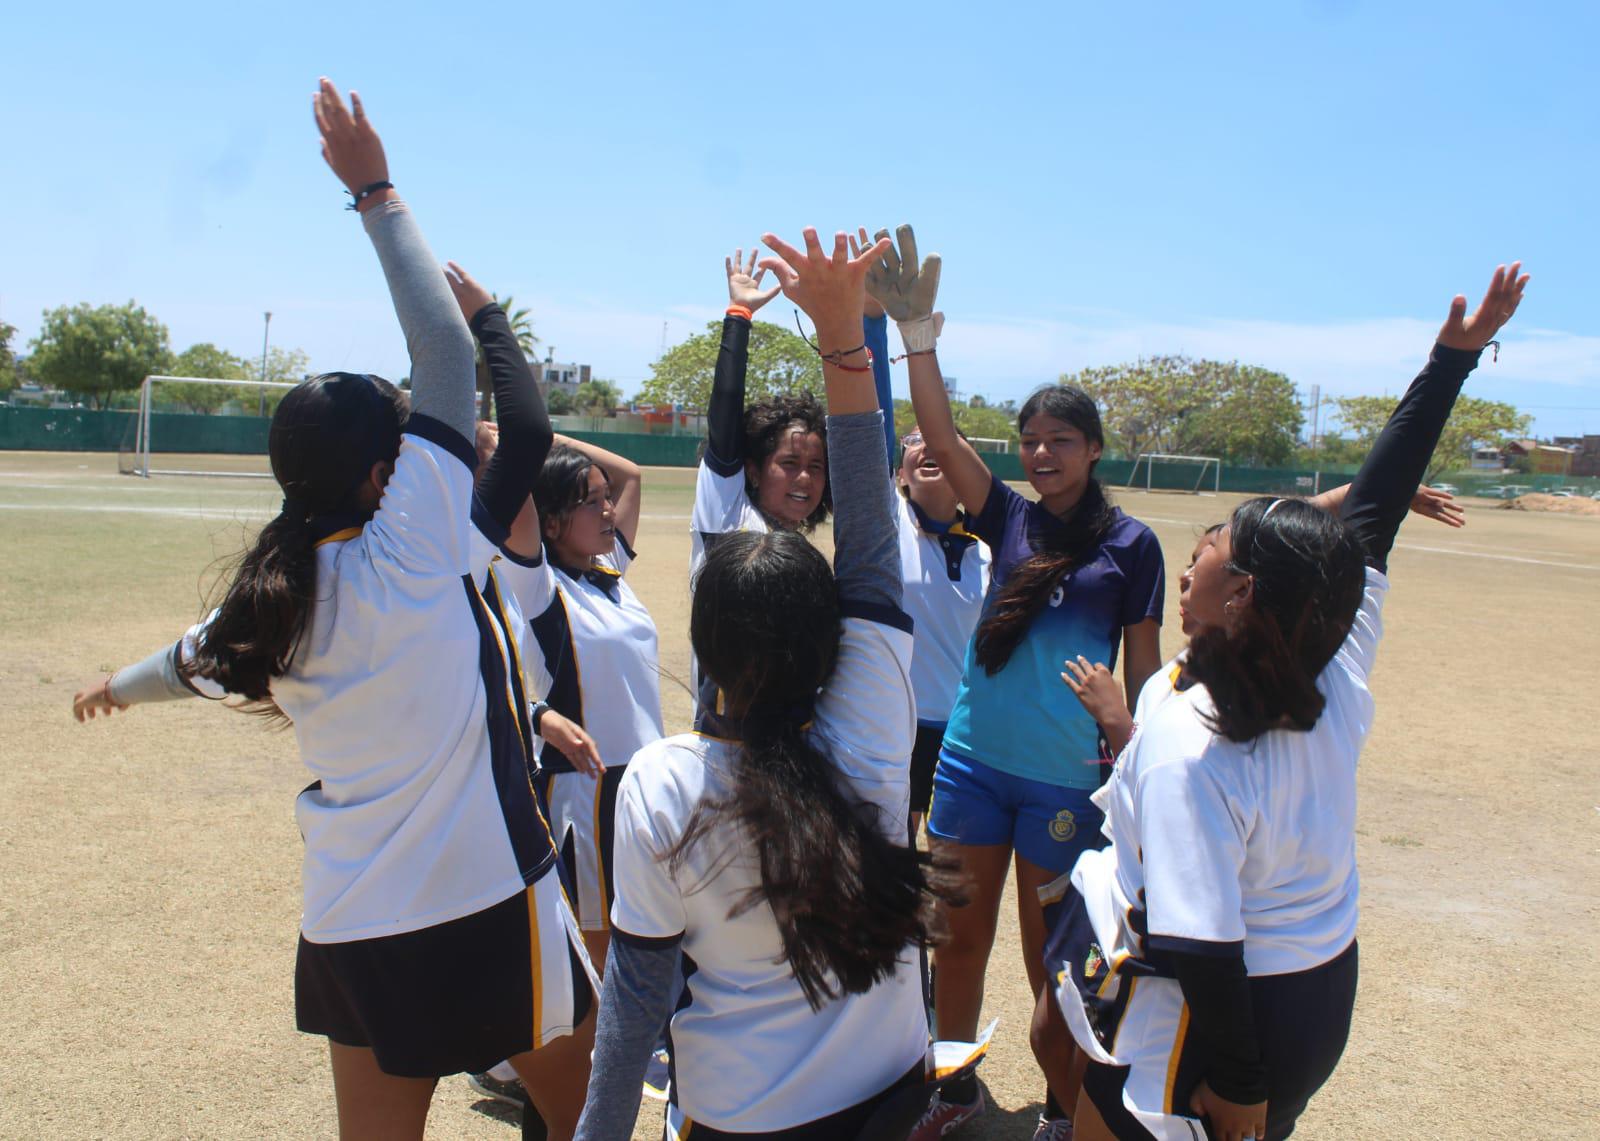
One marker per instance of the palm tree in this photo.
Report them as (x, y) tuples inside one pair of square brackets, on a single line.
[(521, 322)]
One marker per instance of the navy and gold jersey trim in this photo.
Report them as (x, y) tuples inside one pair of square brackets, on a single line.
[(553, 631), (509, 736), (442, 435)]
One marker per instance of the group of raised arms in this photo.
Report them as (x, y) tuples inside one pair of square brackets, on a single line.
[(511, 872)]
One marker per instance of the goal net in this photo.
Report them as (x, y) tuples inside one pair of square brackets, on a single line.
[(198, 425), (1157, 471)]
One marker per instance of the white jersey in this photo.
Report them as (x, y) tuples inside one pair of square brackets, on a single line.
[(749, 1053), (945, 575), (1248, 844), (593, 655), (409, 711), (721, 505)]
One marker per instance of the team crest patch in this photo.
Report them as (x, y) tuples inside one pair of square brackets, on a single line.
[(1093, 961), (1064, 827)]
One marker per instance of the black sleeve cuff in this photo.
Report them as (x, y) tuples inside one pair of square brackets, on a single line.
[(492, 529), (646, 942), (482, 316), (1175, 944), (439, 433), (878, 612), (627, 548)]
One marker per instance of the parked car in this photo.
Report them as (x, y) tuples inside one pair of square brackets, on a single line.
[(1561, 493), (1498, 491), (1447, 488), (1596, 495)]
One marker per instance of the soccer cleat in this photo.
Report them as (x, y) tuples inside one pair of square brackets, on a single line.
[(945, 1117), (1053, 1129), (657, 1079), (507, 1093)]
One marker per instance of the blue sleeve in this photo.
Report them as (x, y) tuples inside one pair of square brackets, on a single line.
[(994, 520), (1147, 579), (875, 332)]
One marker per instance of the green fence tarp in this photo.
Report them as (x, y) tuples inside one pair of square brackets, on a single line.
[(86, 430)]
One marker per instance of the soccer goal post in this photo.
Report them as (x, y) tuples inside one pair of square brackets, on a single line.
[(1163, 472), (145, 424)]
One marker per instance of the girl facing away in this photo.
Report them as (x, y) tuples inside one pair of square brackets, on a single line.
[(434, 937)]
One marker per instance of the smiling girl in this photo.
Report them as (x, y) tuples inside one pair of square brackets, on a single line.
[(1020, 756)]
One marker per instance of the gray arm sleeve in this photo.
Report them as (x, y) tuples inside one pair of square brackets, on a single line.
[(866, 559), (154, 679), (634, 1004), (443, 375)]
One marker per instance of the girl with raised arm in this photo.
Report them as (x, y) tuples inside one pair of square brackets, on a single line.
[(1206, 960), (769, 852), (434, 937), (592, 658), (943, 565), (1071, 575)]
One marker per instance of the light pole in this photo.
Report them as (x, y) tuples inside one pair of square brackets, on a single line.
[(266, 329)]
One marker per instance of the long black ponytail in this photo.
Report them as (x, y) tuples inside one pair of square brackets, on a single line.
[(847, 898), (326, 435), (1024, 593)]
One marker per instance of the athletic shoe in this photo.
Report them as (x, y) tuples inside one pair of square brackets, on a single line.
[(657, 1079), (508, 1093), (944, 1117), (1053, 1129)]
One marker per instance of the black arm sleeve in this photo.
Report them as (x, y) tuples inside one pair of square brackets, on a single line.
[(525, 432), (1381, 493), (725, 416), (1222, 1018)]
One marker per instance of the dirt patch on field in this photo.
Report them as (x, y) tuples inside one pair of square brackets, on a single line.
[(148, 926), (1557, 503)]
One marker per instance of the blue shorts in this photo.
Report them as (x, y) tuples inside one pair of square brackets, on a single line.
[(1046, 824)]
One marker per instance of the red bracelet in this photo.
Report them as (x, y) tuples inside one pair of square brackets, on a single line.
[(850, 367), (741, 311)]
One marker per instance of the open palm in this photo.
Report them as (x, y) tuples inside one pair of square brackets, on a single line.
[(1499, 302)]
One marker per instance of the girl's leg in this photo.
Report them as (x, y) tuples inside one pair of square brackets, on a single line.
[(597, 943), (1087, 1124), (556, 1077), (1058, 1056), (373, 1104), (960, 962)]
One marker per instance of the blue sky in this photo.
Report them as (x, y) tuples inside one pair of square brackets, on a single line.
[(1301, 184)]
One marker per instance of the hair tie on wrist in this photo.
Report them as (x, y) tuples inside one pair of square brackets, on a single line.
[(737, 310), (357, 197)]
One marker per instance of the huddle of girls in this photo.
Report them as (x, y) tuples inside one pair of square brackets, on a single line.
[(474, 687)]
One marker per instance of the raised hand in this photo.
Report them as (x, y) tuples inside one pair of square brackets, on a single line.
[(1094, 685), (1431, 503), (830, 288), (468, 293), (1499, 302), (744, 289), (907, 291), (349, 143)]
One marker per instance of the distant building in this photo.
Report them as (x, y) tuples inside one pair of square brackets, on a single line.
[(1585, 453), (1486, 459), (563, 377), (1541, 459)]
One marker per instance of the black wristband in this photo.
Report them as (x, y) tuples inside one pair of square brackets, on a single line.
[(540, 708), (360, 196)]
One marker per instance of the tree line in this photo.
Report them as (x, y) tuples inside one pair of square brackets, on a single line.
[(1241, 413)]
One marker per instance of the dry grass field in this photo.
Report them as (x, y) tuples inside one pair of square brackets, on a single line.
[(151, 880)]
